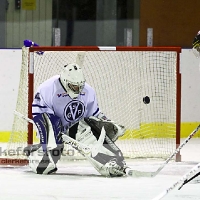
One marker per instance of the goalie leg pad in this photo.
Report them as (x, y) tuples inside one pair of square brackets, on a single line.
[(31, 148), (44, 162), (96, 127), (114, 168), (110, 168), (46, 165), (49, 126), (56, 153), (108, 153)]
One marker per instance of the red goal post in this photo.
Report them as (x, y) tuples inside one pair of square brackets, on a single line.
[(122, 77)]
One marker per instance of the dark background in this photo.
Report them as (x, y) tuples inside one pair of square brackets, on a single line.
[(174, 22)]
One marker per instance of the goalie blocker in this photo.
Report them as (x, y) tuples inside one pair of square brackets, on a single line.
[(108, 161)]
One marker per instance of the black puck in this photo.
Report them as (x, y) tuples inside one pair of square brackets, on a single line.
[(146, 100)]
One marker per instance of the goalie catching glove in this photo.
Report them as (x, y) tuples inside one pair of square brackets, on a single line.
[(113, 130)]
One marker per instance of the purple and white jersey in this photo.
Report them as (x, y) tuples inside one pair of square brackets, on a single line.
[(52, 98)]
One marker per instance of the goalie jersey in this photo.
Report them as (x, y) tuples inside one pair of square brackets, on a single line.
[(52, 98)]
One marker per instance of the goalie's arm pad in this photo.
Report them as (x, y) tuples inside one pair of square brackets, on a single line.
[(47, 124), (113, 130)]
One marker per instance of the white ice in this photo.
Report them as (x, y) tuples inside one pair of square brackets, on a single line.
[(78, 180)]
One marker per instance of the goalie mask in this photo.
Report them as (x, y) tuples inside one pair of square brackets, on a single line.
[(72, 79)]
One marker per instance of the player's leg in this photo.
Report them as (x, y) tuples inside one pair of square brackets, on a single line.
[(44, 162), (109, 161), (43, 157), (115, 164)]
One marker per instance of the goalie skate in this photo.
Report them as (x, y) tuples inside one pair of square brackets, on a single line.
[(116, 169)]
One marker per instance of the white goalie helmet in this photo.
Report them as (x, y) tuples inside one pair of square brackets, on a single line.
[(72, 79)]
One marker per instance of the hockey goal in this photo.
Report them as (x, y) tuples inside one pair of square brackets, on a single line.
[(139, 87)]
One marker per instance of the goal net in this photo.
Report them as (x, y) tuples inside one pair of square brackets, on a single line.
[(138, 87)]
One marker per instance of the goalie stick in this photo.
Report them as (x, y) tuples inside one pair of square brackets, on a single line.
[(176, 151), (180, 181), (153, 174), (87, 149)]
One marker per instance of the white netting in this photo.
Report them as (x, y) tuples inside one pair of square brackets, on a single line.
[(121, 80)]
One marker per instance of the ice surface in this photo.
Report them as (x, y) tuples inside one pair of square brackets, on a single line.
[(78, 180)]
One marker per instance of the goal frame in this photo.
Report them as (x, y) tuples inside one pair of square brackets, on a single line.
[(104, 48), (97, 48)]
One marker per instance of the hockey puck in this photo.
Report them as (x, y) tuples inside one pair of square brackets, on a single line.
[(146, 100)]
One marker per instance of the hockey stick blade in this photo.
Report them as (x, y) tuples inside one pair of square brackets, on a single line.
[(136, 173)]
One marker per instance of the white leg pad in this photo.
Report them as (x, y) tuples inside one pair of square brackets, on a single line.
[(85, 136), (35, 159)]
